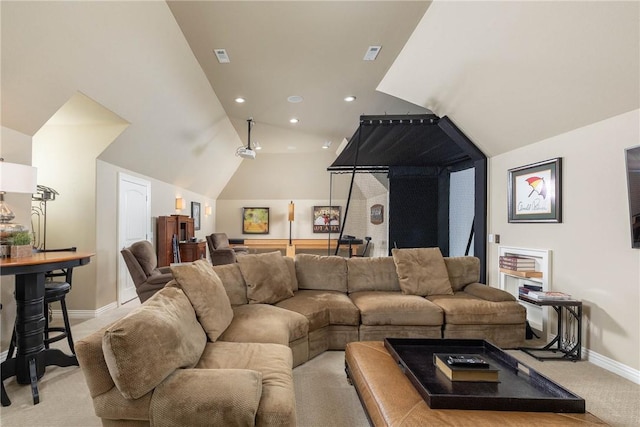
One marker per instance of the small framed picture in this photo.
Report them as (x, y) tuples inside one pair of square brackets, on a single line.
[(377, 214), (195, 214), (534, 193), (326, 219), (255, 220)]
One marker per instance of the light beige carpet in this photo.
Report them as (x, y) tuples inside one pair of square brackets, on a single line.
[(323, 396)]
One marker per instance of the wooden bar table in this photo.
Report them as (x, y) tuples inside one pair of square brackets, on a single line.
[(31, 358)]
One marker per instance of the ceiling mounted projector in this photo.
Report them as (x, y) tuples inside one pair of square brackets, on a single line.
[(247, 152)]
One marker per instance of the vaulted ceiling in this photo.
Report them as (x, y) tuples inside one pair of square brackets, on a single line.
[(507, 73)]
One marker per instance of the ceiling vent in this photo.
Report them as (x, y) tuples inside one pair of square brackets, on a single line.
[(372, 53), (222, 56)]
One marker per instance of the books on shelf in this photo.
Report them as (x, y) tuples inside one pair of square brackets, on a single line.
[(517, 263), (465, 367), (547, 295)]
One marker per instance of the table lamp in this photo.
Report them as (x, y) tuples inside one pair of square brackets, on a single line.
[(14, 178)]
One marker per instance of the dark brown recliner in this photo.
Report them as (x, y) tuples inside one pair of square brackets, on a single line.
[(221, 252), (142, 263)]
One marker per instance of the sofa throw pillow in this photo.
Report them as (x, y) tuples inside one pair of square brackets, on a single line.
[(267, 276), (422, 271), (204, 289), (150, 343)]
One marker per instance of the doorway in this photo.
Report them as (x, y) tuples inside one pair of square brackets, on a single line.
[(134, 219)]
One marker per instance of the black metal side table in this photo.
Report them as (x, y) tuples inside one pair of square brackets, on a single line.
[(567, 344)]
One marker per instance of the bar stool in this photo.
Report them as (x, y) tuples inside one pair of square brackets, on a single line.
[(54, 290)]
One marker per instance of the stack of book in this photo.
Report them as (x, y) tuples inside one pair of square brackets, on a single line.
[(548, 295), (516, 263), (524, 290), (465, 367)]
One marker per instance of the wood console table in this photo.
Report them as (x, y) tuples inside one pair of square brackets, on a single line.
[(31, 357), (300, 244)]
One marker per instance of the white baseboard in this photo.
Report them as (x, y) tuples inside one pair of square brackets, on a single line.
[(611, 365), (86, 314)]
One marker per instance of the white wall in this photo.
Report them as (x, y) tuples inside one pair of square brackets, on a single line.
[(163, 197), (592, 257), (15, 147), (66, 160)]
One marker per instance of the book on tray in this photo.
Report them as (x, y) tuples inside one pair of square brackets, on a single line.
[(547, 295), (465, 367)]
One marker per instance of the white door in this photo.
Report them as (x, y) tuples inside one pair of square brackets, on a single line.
[(134, 219)]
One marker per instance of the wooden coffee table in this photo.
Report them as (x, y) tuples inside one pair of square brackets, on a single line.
[(389, 398)]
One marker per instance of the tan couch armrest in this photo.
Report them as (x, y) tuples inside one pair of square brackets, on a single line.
[(207, 397), (93, 365), (488, 293)]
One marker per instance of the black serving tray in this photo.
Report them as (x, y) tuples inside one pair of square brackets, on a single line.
[(520, 388)]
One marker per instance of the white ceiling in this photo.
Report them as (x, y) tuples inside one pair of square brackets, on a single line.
[(507, 73), (310, 49)]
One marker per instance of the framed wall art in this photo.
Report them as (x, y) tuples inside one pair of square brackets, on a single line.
[(535, 192), (326, 219), (376, 215), (255, 220), (195, 214)]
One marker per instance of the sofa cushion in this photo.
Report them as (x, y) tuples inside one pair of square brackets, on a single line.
[(462, 271), (267, 276), (321, 272), (233, 282), (396, 308), (372, 274), (291, 265), (277, 404), (322, 308), (488, 293), (422, 271), (465, 309), (207, 295), (147, 345), (207, 397), (264, 323)]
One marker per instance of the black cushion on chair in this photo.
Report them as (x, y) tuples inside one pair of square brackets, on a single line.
[(54, 291)]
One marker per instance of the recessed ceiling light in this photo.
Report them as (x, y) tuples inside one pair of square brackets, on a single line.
[(257, 146), (350, 98), (326, 145), (240, 100), (294, 99), (293, 120)]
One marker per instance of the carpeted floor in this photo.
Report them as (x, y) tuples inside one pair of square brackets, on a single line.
[(324, 398)]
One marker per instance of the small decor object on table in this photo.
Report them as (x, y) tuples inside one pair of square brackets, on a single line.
[(465, 367), (534, 193), (21, 245)]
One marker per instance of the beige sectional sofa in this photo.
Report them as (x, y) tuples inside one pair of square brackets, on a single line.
[(244, 326)]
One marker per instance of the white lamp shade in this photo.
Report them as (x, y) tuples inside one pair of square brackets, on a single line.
[(17, 178)]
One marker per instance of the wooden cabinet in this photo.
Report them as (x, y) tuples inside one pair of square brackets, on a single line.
[(192, 251), (180, 226)]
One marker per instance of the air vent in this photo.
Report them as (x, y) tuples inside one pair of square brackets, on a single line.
[(222, 56), (372, 53)]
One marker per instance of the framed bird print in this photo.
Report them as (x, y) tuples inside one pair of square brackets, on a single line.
[(534, 192)]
